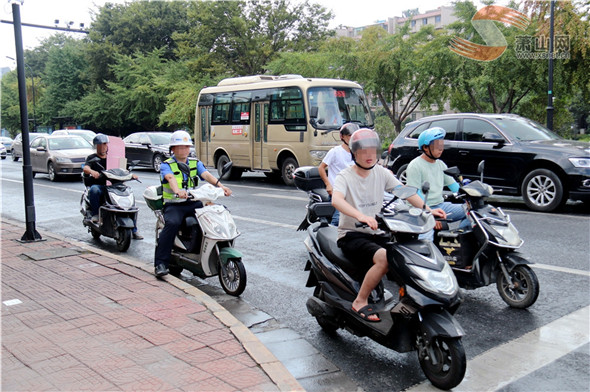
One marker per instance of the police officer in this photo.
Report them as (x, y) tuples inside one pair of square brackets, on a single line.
[(176, 205)]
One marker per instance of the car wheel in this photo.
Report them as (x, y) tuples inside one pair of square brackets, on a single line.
[(287, 169), (156, 162), (542, 190), (51, 171), (14, 157), (401, 174)]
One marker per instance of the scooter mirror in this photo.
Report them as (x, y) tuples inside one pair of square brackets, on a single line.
[(480, 168), (425, 187), (453, 172), (184, 168), (226, 168)]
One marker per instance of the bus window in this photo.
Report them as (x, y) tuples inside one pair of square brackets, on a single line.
[(241, 108), (286, 106), (221, 109), (340, 105)]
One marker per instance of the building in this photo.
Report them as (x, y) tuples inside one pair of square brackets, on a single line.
[(439, 18)]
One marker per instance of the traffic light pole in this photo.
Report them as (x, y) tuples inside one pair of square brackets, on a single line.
[(31, 233)]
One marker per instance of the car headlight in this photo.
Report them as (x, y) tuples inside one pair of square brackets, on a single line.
[(125, 202), (442, 281), (580, 162), (317, 154), (63, 160)]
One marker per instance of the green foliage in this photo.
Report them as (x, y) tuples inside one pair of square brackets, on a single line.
[(10, 104)]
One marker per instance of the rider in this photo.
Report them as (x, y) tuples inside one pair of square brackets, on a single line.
[(358, 195), (428, 167), (176, 205), (98, 182), (336, 159)]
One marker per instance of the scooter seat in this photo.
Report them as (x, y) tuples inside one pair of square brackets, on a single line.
[(327, 237)]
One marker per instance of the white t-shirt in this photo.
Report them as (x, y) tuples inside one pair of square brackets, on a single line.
[(364, 194), (337, 160)]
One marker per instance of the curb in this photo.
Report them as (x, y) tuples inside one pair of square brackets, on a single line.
[(277, 372)]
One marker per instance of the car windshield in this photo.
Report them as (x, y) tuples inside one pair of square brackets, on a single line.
[(86, 135), (68, 143), (339, 105), (522, 129), (159, 138)]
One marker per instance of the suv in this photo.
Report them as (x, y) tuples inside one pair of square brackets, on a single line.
[(521, 156)]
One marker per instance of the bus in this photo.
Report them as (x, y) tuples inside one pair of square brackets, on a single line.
[(275, 124)]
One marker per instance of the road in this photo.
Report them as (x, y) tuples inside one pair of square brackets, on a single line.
[(267, 215)]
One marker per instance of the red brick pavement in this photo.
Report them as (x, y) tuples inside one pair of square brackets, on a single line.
[(90, 322)]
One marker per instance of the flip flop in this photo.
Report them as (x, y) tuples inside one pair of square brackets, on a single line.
[(365, 312)]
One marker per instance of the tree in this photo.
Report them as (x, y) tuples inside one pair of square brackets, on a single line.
[(139, 26), (243, 36), (10, 103)]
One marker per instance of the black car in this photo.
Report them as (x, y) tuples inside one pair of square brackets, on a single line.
[(149, 148), (521, 156)]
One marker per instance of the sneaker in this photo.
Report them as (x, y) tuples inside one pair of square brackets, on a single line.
[(137, 236), (94, 219), (161, 270)]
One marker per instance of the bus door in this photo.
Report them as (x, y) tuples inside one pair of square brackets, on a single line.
[(260, 136), (203, 152)]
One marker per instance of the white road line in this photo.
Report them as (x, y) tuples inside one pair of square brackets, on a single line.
[(275, 196), (502, 365), (265, 222), (561, 269)]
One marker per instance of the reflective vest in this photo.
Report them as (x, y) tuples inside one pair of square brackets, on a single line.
[(167, 192)]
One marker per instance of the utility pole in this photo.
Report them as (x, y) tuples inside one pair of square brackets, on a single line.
[(550, 87), (31, 233)]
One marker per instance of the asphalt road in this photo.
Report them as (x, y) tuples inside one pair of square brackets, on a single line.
[(267, 215)]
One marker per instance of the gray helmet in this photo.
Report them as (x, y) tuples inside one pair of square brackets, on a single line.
[(100, 139), (348, 129)]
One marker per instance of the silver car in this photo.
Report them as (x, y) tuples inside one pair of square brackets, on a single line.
[(59, 155), (86, 134), (2, 151)]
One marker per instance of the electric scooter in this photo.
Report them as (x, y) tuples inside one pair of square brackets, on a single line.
[(204, 244), (118, 212), (486, 252), (420, 318)]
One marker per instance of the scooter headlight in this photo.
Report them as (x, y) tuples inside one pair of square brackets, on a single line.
[(507, 235), (125, 202), (441, 281)]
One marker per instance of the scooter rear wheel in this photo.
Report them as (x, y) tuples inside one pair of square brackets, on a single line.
[(233, 277), (443, 361), (124, 239), (525, 290), (95, 234)]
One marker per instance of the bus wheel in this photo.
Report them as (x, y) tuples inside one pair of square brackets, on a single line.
[(221, 161), (287, 170)]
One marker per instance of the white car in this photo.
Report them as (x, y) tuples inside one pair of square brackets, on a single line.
[(3, 151)]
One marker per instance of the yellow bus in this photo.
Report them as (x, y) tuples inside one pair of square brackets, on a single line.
[(275, 124)]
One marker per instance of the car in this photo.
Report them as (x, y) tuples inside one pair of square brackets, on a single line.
[(3, 151), (150, 149), (6, 141), (522, 157), (59, 155), (16, 149), (86, 134)]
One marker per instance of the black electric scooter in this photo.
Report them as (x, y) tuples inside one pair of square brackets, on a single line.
[(420, 319), (486, 252)]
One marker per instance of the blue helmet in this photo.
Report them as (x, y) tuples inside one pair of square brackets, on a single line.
[(430, 135), (100, 138)]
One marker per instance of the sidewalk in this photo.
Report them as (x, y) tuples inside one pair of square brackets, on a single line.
[(75, 317)]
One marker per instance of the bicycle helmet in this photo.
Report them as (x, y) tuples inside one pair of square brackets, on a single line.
[(180, 138), (430, 135), (100, 139), (364, 138)]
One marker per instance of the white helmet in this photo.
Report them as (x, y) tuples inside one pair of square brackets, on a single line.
[(180, 138)]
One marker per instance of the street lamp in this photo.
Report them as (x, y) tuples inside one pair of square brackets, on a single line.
[(34, 101)]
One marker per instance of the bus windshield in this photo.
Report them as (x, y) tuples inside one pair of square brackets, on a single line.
[(339, 105)]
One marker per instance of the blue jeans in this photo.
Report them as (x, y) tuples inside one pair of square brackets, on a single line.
[(335, 218), (455, 212)]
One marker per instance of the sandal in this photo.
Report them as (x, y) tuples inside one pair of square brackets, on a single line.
[(365, 312)]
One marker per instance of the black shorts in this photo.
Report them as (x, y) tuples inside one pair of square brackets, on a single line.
[(361, 247)]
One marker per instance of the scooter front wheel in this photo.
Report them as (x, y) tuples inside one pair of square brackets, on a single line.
[(443, 361), (233, 277), (522, 290), (124, 239), (95, 234)]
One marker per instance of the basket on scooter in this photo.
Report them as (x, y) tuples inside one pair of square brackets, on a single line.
[(456, 247), (153, 197)]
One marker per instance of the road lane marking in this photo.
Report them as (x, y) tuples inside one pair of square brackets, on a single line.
[(499, 367), (265, 222), (561, 269), (275, 196)]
